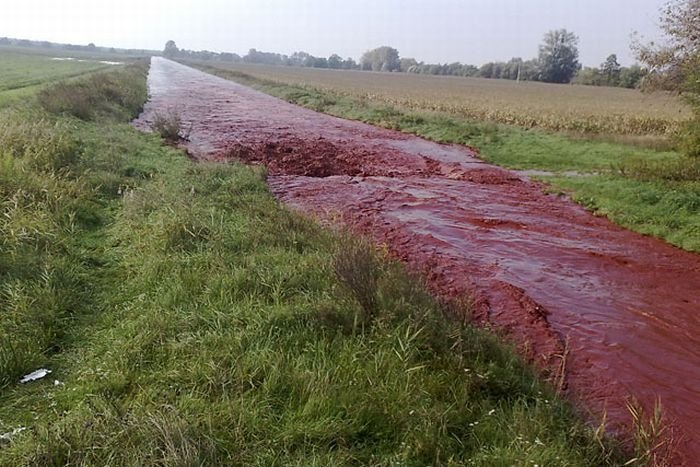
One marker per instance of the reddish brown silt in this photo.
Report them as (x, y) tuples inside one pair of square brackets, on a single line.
[(617, 312)]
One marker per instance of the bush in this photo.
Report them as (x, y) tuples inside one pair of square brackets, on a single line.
[(682, 169), (689, 140)]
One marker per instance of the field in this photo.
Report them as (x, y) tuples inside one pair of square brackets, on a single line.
[(190, 319), (23, 72), (644, 187), (579, 109)]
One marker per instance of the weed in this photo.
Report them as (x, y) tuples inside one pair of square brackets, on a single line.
[(357, 268), (653, 441), (168, 126)]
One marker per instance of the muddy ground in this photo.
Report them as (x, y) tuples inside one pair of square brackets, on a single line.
[(605, 313)]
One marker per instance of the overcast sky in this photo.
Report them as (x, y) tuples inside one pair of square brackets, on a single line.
[(470, 31)]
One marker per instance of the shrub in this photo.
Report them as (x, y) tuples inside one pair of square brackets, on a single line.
[(689, 140), (682, 169)]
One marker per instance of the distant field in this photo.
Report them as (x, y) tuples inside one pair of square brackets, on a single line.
[(650, 190), (22, 70), (583, 109)]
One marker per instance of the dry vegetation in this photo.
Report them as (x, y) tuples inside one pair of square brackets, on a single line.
[(584, 109)]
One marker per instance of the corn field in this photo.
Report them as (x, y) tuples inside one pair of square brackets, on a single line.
[(558, 107)]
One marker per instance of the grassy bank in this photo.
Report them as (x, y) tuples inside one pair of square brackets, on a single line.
[(24, 71), (189, 319), (651, 191)]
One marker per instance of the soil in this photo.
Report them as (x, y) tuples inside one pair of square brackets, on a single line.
[(607, 314)]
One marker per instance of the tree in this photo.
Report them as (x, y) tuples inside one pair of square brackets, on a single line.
[(487, 70), (589, 76), (229, 57), (406, 63), (298, 58), (335, 61), (170, 50), (675, 65), (558, 57), (610, 68), (381, 59), (349, 64), (320, 62), (632, 77)]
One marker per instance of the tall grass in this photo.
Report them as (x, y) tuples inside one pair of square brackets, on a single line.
[(46, 198), (116, 94), (38, 211)]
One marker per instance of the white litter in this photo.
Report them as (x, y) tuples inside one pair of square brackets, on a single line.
[(58, 383), (10, 434), (35, 375)]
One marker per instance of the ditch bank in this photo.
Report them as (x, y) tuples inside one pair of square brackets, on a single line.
[(606, 314)]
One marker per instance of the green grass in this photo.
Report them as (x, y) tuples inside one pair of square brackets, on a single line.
[(189, 319), (654, 192), (24, 71), (668, 210)]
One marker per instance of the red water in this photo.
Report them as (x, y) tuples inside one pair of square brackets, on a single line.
[(605, 313)]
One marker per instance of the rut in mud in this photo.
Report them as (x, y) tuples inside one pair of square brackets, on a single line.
[(606, 313)]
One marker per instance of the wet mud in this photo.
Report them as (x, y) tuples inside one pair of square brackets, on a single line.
[(605, 313)]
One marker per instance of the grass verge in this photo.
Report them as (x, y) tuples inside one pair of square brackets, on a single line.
[(189, 319), (654, 192)]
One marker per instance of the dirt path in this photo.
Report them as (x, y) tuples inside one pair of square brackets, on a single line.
[(618, 312)]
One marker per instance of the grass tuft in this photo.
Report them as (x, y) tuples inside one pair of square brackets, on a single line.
[(357, 268), (168, 126)]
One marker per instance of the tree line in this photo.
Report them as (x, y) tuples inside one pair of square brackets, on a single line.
[(557, 62), (91, 47), (673, 66)]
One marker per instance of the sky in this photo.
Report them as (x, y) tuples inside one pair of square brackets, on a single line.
[(469, 31)]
